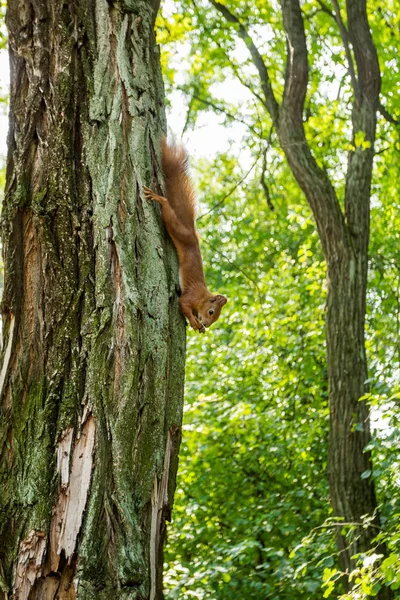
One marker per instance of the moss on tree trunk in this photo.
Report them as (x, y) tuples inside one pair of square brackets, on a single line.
[(94, 345)]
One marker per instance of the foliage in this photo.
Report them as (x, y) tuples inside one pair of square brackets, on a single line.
[(253, 459), (252, 516), (3, 29)]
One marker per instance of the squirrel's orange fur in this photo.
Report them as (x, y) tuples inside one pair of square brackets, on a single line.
[(178, 209)]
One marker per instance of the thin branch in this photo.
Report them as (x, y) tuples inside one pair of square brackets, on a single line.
[(237, 184), (236, 266), (231, 262), (345, 524), (344, 34), (259, 120), (226, 113), (270, 100), (234, 66), (246, 84), (346, 43), (240, 78), (310, 15), (187, 120), (387, 115), (264, 184), (326, 9), (382, 150), (339, 89), (236, 71)]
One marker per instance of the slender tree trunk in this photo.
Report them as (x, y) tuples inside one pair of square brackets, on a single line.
[(352, 495), (93, 352)]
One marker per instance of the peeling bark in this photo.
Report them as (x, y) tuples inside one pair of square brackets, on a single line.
[(68, 514), (94, 345), (29, 565)]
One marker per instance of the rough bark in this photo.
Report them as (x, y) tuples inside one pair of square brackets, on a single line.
[(344, 238), (93, 352)]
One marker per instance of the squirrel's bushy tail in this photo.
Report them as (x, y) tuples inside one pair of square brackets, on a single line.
[(179, 187)]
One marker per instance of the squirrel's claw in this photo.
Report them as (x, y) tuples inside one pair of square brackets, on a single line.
[(150, 195), (199, 325)]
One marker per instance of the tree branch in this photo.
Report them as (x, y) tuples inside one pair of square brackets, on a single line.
[(359, 171), (345, 524), (237, 184), (263, 182), (296, 77), (346, 43), (187, 120), (234, 67), (247, 85), (364, 50), (387, 115), (236, 70), (238, 268), (270, 100), (226, 113), (336, 16), (288, 122), (313, 180), (326, 9)]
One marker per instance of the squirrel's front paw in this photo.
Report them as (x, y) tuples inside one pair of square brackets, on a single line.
[(150, 195), (197, 325)]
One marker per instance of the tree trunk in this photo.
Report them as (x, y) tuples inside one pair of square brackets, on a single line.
[(352, 496), (93, 352)]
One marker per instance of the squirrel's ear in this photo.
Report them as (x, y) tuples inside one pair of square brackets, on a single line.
[(221, 300)]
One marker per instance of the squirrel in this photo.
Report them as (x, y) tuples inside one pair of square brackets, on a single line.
[(178, 210)]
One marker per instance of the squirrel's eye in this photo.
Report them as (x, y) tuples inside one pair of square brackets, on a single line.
[(211, 311)]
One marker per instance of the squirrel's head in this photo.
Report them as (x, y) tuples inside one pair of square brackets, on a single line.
[(210, 309)]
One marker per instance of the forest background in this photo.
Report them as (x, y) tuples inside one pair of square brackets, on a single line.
[(252, 516)]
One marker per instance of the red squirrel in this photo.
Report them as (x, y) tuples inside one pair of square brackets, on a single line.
[(178, 210)]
